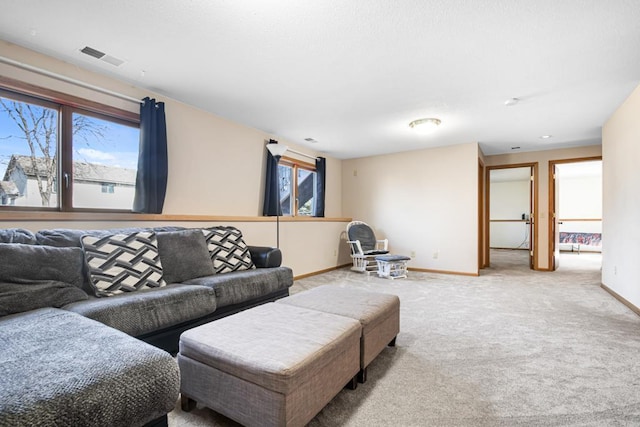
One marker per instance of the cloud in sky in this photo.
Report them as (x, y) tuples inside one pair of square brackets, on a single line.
[(91, 154)]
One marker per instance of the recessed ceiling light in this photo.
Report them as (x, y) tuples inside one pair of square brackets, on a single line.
[(425, 125), (511, 102), (546, 136)]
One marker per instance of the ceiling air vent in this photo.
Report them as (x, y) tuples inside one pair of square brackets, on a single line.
[(311, 140), (102, 56), (112, 60), (92, 52)]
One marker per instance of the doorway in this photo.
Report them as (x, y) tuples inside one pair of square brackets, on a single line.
[(575, 204), (510, 213)]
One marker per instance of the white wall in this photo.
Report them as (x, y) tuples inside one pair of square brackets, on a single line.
[(580, 197), (508, 200), (422, 201), (216, 167), (621, 200), (509, 235)]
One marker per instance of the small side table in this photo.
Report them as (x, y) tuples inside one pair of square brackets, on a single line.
[(392, 266)]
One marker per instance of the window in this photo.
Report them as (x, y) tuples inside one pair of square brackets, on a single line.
[(108, 187), (297, 183), (60, 157)]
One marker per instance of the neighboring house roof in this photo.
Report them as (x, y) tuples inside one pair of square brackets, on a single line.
[(87, 172), (8, 188), (101, 173)]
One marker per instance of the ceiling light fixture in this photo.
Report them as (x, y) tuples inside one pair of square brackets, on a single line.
[(425, 125), (546, 136), (511, 102)]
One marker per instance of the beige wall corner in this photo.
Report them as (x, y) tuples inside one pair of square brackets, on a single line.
[(621, 200), (424, 202)]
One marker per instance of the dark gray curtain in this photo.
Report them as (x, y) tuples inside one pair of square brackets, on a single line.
[(271, 190), (151, 180), (321, 180)]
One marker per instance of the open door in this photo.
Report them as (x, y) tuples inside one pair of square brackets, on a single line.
[(555, 217), (481, 258), (532, 218), (556, 169), (506, 219)]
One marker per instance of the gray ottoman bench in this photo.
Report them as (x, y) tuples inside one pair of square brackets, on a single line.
[(272, 365), (378, 313), (59, 368)]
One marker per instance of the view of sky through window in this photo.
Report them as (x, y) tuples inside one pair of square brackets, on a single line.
[(118, 145)]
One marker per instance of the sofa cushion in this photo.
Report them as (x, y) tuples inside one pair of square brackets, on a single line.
[(66, 237), (59, 368), (23, 263), (17, 235), (227, 249), (123, 262), (240, 286), (184, 255), (20, 297), (149, 310)]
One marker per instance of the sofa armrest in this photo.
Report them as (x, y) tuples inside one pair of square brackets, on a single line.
[(265, 256)]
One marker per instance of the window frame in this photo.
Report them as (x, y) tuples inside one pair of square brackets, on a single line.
[(296, 164), (66, 105)]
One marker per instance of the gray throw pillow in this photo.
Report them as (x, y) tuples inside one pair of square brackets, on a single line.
[(184, 255), (23, 263)]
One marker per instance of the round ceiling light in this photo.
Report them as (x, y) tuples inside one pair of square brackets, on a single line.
[(425, 125), (511, 102)]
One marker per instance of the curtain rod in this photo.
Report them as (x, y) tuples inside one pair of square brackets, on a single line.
[(67, 79)]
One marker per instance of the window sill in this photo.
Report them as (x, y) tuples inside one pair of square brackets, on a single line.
[(132, 217)]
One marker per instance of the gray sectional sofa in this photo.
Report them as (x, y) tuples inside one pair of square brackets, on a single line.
[(151, 284), (50, 269)]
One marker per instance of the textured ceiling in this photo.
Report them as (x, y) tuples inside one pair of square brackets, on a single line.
[(353, 74)]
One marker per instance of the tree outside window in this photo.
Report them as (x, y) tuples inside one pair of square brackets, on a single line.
[(45, 164)]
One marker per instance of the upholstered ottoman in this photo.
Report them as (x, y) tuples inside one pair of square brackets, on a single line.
[(59, 368), (392, 266), (272, 365), (378, 313)]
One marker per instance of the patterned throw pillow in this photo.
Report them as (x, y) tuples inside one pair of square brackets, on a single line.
[(123, 262), (228, 250)]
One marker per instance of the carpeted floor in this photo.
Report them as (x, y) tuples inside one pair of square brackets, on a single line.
[(512, 347)]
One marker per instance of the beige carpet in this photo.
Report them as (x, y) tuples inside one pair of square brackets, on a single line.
[(512, 347)]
